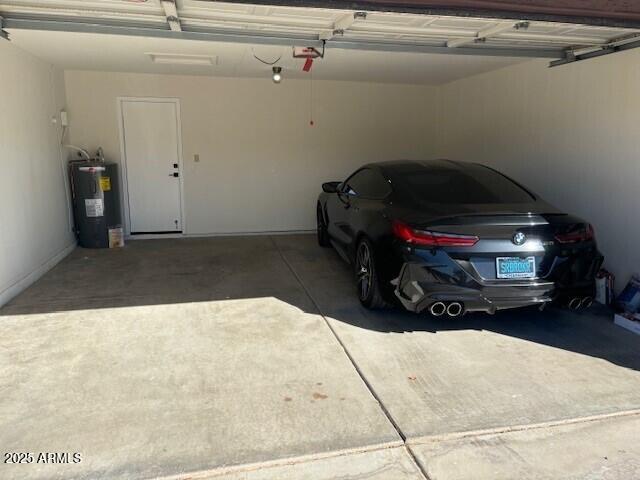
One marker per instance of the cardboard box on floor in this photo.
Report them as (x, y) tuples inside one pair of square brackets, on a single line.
[(629, 302), (629, 298), (630, 321)]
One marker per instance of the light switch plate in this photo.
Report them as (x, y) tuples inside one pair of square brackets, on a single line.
[(196, 157)]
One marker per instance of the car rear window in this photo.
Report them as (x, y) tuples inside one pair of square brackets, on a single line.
[(475, 184)]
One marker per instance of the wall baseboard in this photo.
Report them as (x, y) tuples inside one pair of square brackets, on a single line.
[(22, 284), (225, 234)]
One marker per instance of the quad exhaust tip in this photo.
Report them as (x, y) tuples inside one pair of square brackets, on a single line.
[(454, 309), (437, 309), (574, 303), (580, 302), (586, 302)]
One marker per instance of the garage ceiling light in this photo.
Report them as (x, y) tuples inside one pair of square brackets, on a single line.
[(179, 59), (277, 74)]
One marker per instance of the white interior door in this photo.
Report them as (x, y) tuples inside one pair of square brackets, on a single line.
[(151, 148)]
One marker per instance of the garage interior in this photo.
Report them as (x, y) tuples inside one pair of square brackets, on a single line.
[(234, 347)]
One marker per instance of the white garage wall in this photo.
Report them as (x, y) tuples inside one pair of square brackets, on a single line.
[(261, 164), (35, 231), (571, 133)]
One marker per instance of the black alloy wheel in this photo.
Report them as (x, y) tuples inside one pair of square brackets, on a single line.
[(367, 277), (323, 235)]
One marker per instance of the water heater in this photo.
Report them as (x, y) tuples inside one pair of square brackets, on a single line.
[(96, 203)]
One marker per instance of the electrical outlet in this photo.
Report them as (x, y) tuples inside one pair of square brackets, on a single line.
[(196, 157)]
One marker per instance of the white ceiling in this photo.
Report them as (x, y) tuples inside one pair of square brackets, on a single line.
[(92, 51), (82, 51)]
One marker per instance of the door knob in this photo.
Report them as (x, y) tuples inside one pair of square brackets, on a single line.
[(174, 174)]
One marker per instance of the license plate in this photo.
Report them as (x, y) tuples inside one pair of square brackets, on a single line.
[(516, 267)]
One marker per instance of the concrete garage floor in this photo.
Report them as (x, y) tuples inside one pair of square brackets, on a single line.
[(250, 358)]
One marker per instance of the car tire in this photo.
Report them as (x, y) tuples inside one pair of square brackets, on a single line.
[(367, 281), (323, 235)]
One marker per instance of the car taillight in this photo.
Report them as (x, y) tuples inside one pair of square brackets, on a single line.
[(432, 239), (584, 234)]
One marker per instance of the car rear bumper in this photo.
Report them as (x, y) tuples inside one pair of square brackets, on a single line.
[(417, 288), (433, 276)]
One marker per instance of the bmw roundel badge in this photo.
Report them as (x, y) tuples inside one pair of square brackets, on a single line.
[(519, 238)]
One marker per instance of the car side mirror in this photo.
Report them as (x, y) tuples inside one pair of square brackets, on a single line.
[(330, 187)]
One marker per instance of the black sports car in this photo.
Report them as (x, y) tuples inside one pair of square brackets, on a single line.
[(450, 237)]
